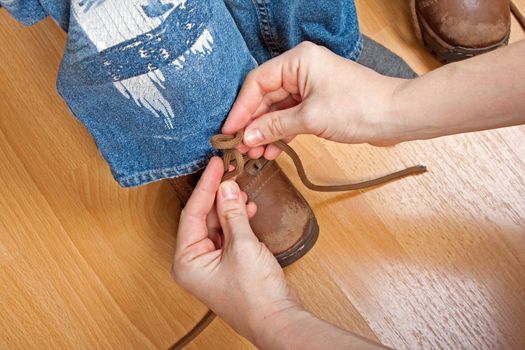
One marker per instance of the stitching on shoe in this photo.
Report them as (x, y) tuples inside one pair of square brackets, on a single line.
[(256, 177), (262, 185)]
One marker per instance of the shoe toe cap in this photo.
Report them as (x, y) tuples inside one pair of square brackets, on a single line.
[(467, 23)]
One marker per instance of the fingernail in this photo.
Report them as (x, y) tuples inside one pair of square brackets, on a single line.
[(253, 137), (229, 190)]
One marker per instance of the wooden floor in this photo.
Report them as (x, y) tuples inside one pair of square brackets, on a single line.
[(435, 261)]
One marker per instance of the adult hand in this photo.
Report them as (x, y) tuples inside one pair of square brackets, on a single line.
[(220, 260), (310, 90)]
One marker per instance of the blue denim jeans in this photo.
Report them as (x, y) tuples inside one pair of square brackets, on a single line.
[(153, 80)]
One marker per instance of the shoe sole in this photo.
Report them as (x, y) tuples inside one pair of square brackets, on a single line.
[(303, 246), (440, 48)]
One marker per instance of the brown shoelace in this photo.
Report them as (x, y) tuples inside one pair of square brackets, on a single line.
[(240, 163)]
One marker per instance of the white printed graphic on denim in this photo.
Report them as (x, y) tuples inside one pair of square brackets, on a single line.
[(110, 22)]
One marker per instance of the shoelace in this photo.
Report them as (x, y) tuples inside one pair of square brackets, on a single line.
[(241, 163)]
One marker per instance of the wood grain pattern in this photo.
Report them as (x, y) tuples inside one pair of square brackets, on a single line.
[(435, 261)]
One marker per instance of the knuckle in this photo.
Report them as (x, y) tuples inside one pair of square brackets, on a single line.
[(176, 275), (307, 45), (183, 213), (181, 268), (275, 126), (251, 77), (242, 249), (308, 48), (233, 213)]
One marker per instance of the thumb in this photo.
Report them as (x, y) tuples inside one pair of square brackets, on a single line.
[(274, 126), (231, 210)]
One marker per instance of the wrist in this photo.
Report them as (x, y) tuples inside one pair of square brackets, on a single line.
[(419, 109), (402, 122), (384, 116), (398, 128), (296, 328), (271, 327)]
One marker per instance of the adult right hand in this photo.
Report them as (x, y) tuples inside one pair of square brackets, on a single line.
[(310, 90)]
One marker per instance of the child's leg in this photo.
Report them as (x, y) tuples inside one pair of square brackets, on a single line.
[(152, 80), (384, 61), (272, 27)]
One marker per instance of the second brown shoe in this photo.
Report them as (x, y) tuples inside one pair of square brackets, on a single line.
[(457, 29), (284, 221)]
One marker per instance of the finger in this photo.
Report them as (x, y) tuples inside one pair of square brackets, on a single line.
[(192, 227), (289, 102), (199, 249), (251, 209), (274, 126), (272, 151), (280, 72), (215, 237), (214, 227), (212, 220), (232, 212), (256, 153), (243, 148), (271, 99)]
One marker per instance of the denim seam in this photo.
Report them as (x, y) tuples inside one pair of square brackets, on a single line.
[(142, 178), (263, 14), (355, 54)]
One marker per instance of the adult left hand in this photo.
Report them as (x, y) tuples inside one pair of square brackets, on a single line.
[(219, 259)]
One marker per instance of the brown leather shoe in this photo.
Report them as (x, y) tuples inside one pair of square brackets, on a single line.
[(184, 185), (284, 221), (457, 29)]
